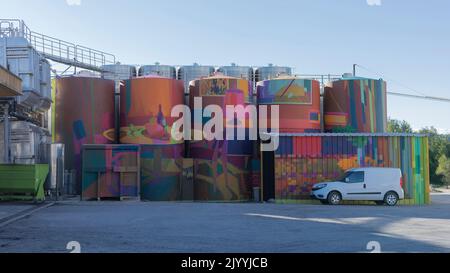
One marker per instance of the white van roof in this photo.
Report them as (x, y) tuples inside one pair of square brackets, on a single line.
[(372, 168)]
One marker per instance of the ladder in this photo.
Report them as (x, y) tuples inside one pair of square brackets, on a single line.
[(55, 49)]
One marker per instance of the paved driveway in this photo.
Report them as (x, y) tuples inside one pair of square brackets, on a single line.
[(213, 227)]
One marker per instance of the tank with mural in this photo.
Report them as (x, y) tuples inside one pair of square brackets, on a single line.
[(222, 168), (145, 119), (298, 100), (355, 105), (82, 113)]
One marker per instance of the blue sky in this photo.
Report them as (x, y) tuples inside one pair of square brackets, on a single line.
[(404, 40)]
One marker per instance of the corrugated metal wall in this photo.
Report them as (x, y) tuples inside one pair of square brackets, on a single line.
[(302, 161)]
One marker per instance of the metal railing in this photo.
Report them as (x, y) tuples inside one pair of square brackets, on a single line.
[(56, 49)]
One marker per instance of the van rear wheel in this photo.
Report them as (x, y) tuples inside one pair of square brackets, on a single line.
[(391, 198), (334, 198)]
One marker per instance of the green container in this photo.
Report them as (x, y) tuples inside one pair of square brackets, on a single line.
[(23, 182)]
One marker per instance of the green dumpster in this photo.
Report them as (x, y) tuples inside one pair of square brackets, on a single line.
[(23, 182)]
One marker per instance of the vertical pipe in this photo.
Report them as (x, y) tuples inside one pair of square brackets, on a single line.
[(117, 113), (6, 132)]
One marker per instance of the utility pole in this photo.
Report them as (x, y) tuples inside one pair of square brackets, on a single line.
[(354, 70)]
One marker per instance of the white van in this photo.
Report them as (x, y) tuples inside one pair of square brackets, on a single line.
[(382, 185)]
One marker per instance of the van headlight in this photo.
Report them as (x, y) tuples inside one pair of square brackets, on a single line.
[(319, 187)]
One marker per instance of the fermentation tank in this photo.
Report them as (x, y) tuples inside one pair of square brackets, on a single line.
[(271, 72), (146, 105), (83, 114), (244, 72), (222, 168), (189, 73), (118, 72), (355, 105), (157, 69), (298, 100)]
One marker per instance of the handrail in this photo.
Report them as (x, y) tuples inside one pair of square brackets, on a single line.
[(56, 49)]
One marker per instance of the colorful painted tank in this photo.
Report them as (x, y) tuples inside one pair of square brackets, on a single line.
[(145, 110), (356, 105), (82, 113), (222, 168), (145, 119), (299, 102)]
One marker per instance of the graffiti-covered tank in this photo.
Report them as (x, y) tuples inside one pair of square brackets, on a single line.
[(83, 113), (356, 105), (298, 100), (222, 167), (145, 119)]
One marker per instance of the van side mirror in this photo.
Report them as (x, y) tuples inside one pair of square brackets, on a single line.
[(347, 180)]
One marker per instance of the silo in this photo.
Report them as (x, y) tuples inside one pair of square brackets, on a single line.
[(189, 73), (118, 72), (83, 113), (298, 100), (271, 72), (355, 105), (222, 168), (145, 118), (233, 70), (157, 69)]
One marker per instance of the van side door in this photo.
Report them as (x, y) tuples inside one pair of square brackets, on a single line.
[(354, 188)]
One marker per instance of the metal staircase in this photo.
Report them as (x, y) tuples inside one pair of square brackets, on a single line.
[(55, 49)]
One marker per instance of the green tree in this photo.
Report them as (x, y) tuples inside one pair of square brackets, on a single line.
[(399, 126), (438, 145), (444, 169), (342, 130)]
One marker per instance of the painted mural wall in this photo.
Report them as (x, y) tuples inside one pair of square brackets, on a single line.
[(110, 171), (302, 161), (165, 174)]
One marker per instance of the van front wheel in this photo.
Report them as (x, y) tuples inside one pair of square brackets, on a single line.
[(334, 198), (391, 199)]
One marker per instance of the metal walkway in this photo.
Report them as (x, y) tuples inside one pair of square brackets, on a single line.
[(55, 49)]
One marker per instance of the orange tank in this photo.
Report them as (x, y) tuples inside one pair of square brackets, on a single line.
[(145, 110), (299, 102)]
